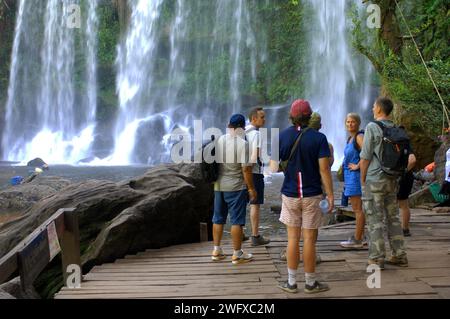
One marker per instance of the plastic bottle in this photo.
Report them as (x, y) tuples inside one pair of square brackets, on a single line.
[(324, 206)]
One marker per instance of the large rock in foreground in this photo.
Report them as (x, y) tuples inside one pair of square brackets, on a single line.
[(161, 208), (19, 198)]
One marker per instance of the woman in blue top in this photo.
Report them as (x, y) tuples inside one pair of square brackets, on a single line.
[(352, 182)]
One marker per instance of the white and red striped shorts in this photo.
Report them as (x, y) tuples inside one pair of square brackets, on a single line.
[(301, 212)]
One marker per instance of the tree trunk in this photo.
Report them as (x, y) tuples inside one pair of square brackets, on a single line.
[(390, 30)]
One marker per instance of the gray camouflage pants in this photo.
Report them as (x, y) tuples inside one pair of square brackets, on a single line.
[(381, 208)]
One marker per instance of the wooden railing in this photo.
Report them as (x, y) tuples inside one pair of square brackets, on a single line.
[(59, 233)]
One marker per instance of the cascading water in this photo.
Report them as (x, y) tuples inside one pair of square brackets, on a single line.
[(196, 62), (47, 116), (179, 61), (339, 78), (167, 77)]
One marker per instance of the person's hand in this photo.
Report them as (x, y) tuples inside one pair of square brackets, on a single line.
[(252, 195), (353, 167), (330, 204)]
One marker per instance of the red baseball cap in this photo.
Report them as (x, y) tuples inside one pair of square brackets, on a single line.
[(301, 108)]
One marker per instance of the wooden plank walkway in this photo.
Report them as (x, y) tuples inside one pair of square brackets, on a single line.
[(186, 271)]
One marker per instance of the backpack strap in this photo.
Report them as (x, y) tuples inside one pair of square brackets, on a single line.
[(297, 142)]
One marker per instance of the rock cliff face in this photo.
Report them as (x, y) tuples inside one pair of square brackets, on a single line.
[(17, 199), (163, 207)]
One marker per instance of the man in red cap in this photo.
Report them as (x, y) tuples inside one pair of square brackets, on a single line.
[(308, 154)]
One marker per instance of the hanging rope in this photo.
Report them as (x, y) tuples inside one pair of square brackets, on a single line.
[(444, 107)]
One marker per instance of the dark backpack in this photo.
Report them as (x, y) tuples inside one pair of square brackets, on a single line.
[(394, 150), (209, 169)]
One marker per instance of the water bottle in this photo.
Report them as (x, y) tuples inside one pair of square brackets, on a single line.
[(324, 206), (268, 179)]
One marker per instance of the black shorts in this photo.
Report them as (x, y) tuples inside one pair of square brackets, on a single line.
[(405, 186), (258, 181)]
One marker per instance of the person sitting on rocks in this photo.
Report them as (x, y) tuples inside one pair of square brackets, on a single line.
[(38, 163)]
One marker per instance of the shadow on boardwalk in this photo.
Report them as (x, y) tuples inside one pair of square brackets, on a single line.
[(186, 271)]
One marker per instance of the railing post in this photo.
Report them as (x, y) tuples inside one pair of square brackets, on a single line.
[(70, 247)]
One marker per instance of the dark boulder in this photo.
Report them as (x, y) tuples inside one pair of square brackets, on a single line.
[(16, 200), (163, 207)]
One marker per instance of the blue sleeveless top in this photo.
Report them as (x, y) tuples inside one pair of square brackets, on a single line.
[(352, 179)]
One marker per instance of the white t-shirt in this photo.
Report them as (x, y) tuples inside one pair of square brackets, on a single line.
[(254, 141), (232, 155)]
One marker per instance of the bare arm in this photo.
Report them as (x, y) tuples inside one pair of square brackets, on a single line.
[(325, 174), (360, 141), (274, 166), (411, 162), (363, 166), (248, 178), (331, 158)]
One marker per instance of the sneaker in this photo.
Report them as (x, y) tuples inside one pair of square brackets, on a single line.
[(288, 288), (379, 262), (259, 240), (398, 261), (352, 243), (218, 255), (242, 258), (317, 287), (406, 233)]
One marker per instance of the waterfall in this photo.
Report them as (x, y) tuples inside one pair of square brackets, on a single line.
[(339, 79), (47, 114), (167, 77)]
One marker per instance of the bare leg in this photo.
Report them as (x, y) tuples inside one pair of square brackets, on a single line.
[(360, 219), (405, 212), (217, 234), (236, 236), (293, 249), (254, 218), (309, 250), (316, 236)]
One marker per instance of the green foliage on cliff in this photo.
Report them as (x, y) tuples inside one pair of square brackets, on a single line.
[(281, 77), (7, 15), (404, 77)]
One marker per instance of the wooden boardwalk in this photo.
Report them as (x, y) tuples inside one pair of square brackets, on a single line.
[(186, 271)]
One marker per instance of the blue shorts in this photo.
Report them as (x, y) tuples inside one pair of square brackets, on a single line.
[(258, 182), (234, 203)]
